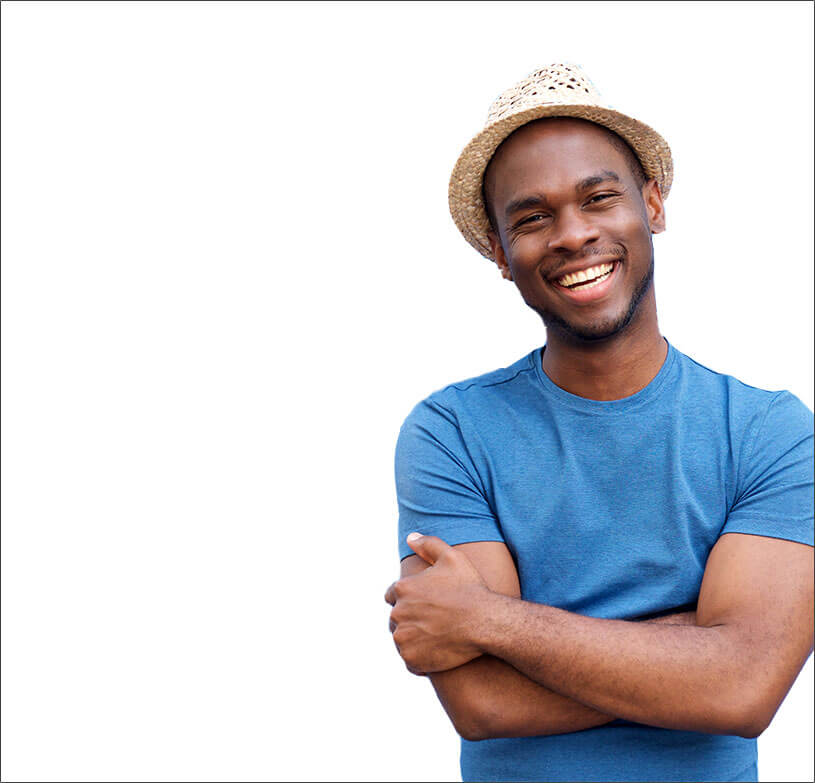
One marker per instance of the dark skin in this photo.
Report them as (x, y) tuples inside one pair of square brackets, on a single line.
[(504, 667), (604, 349), (488, 698), (726, 674)]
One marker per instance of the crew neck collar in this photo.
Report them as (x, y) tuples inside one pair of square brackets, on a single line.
[(623, 405)]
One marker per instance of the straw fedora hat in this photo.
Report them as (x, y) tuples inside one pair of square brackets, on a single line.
[(560, 90)]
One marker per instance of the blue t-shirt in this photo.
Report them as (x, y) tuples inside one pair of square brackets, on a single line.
[(610, 509)]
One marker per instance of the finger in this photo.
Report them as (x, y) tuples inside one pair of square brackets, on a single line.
[(429, 548), (390, 595)]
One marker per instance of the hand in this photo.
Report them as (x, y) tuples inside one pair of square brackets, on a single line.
[(435, 613)]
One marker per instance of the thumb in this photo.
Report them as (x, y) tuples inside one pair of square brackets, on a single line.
[(429, 548)]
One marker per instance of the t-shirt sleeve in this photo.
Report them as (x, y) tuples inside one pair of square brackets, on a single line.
[(775, 493), (438, 489)]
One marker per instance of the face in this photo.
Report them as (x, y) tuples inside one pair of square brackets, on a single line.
[(574, 229)]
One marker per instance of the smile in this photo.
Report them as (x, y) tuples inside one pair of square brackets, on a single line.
[(588, 285), (586, 278)]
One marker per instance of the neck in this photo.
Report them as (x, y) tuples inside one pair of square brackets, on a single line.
[(608, 369)]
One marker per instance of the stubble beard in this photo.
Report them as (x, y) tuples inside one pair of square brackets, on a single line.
[(600, 330)]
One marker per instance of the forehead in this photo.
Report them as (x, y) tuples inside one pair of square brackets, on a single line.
[(551, 155)]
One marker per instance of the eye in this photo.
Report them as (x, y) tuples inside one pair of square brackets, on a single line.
[(601, 196), (530, 219)]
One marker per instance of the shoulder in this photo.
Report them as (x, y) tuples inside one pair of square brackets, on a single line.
[(474, 395), (762, 426), (746, 406)]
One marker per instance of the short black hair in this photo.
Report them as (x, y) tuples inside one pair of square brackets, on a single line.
[(616, 141)]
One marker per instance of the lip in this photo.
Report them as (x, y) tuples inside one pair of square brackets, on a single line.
[(589, 294)]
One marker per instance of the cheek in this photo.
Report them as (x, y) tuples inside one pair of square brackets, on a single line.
[(526, 252), (633, 228), (626, 235)]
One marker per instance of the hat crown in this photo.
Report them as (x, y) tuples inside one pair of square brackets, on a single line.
[(555, 84)]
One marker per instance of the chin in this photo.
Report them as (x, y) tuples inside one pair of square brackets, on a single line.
[(604, 327), (601, 329), (593, 332)]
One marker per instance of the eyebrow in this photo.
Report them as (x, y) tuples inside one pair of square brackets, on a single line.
[(536, 200), (596, 179)]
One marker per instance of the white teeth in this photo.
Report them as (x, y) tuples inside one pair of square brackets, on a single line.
[(600, 272), (595, 282)]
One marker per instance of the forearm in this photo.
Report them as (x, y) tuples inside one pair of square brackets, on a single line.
[(660, 674), (487, 698)]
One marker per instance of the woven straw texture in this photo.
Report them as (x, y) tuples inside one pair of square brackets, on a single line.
[(560, 90)]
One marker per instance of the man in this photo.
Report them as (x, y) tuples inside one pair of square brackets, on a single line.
[(609, 572)]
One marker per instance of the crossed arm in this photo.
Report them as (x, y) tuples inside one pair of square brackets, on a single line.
[(486, 697), (505, 667)]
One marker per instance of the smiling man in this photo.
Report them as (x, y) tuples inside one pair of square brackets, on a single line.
[(609, 572)]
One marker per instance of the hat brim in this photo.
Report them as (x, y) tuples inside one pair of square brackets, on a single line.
[(464, 195)]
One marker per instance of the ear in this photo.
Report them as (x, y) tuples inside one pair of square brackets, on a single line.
[(654, 206), (498, 255)]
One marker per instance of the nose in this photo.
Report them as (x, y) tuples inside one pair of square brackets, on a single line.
[(571, 232)]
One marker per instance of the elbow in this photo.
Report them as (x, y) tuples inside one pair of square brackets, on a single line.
[(752, 725), (751, 728), (472, 719), (747, 719), (472, 723), (472, 732), (750, 732)]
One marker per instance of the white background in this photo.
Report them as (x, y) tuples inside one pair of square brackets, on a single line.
[(229, 274)]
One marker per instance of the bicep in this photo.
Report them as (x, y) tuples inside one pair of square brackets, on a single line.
[(492, 560), (762, 588)]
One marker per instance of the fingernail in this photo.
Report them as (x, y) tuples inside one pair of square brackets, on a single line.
[(414, 536)]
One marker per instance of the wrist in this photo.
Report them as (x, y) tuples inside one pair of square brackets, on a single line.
[(489, 622)]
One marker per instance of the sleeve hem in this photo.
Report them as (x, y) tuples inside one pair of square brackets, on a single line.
[(769, 527), (470, 540), (466, 533)]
